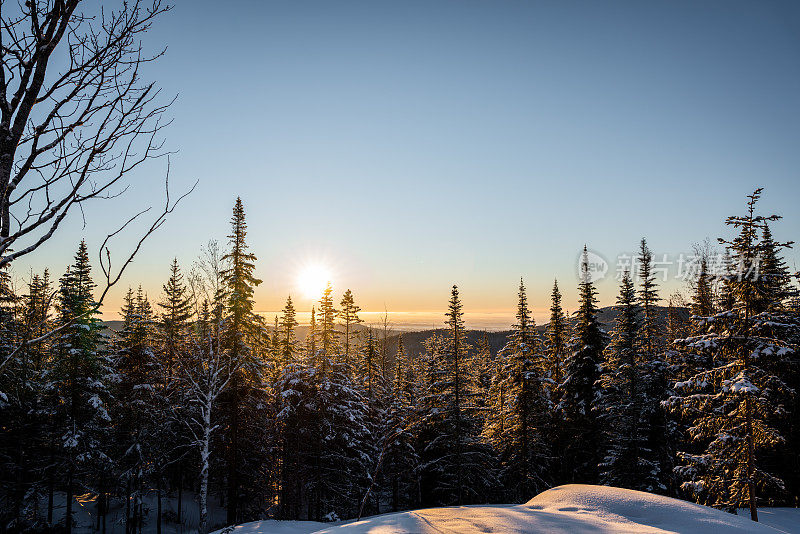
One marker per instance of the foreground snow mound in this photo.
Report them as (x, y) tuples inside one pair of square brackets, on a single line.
[(573, 509), (635, 511), (273, 526)]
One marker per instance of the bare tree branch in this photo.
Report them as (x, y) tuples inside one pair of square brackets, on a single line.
[(75, 116)]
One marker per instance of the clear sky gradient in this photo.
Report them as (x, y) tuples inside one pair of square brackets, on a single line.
[(413, 145)]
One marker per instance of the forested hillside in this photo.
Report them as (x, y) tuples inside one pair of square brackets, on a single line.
[(196, 392)]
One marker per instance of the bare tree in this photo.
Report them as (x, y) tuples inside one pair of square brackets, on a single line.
[(205, 277), (75, 120), (72, 112), (205, 377), (75, 116)]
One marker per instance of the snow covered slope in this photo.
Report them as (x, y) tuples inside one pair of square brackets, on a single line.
[(573, 509)]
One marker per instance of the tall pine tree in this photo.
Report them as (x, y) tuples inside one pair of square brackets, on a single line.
[(732, 404), (581, 454)]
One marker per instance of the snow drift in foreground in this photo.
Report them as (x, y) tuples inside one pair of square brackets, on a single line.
[(573, 509)]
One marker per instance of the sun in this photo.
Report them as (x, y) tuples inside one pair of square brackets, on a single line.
[(312, 280)]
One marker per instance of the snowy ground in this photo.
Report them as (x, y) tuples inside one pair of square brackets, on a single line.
[(86, 506), (573, 509)]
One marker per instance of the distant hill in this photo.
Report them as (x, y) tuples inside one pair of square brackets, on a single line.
[(413, 340), (114, 325)]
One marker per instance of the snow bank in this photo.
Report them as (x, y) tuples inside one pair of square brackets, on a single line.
[(572, 509), (272, 526), (621, 510)]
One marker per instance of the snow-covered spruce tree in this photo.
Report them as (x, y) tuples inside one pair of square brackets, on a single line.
[(777, 294), (648, 300), (377, 395), (520, 412), (78, 384), (658, 430), (685, 363), (242, 332), (324, 440), (19, 386), (297, 438), (38, 445), (174, 326), (485, 368), (311, 338), (398, 453), (734, 402), (138, 406), (556, 342), (287, 337), (703, 294), (368, 371), (174, 321), (456, 464), (791, 460), (776, 289), (348, 452), (556, 349), (327, 335), (580, 454), (622, 402), (348, 319), (29, 414)]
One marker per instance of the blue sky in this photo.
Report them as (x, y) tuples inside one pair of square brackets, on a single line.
[(413, 145)]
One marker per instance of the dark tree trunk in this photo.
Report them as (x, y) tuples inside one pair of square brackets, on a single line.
[(158, 514), (128, 508), (233, 460), (180, 493), (68, 517), (751, 460), (99, 508), (50, 491)]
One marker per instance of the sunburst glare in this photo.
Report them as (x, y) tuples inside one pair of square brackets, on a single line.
[(312, 279)]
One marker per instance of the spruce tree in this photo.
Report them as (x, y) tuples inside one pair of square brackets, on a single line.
[(326, 331), (324, 440), (656, 427), (137, 427), (557, 341), (287, 338), (348, 315), (369, 370), (521, 410), (398, 451), (703, 295), (648, 300), (175, 317), (485, 367), (623, 402), (733, 403), (311, 339), (456, 464), (241, 330), (19, 384), (582, 369), (80, 375), (775, 289), (779, 297)]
